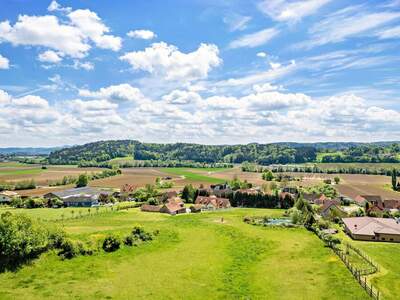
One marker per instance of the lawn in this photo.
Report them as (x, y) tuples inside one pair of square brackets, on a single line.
[(195, 257), (192, 174)]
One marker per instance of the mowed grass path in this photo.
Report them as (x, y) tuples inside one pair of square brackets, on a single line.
[(194, 257), (193, 174)]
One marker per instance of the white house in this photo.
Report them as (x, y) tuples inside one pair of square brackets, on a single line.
[(7, 196)]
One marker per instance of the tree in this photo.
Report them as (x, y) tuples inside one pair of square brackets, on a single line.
[(394, 179), (82, 181), (189, 193), (268, 176), (336, 179)]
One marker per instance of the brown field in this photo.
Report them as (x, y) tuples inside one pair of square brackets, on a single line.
[(230, 174), (352, 185), (43, 177)]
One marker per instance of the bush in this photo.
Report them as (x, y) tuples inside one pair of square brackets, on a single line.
[(21, 238), (71, 249), (111, 243), (139, 233)]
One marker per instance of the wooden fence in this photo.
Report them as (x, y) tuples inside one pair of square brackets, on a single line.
[(358, 273)]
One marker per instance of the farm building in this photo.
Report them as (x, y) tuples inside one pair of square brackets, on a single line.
[(173, 209), (84, 196), (251, 191), (311, 197), (362, 200), (391, 204), (213, 202), (150, 208), (321, 200), (373, 229), (331, 208), (7, 196)]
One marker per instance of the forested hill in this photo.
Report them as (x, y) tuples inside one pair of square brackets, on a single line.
[(278, 153)]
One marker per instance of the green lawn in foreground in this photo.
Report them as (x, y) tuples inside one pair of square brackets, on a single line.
[(194, 257), (191, 175)]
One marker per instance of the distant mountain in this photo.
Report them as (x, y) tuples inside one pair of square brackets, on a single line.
[(28, 151)]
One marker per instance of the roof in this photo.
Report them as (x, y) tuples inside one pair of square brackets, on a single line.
[(175, 200), (79, 192), (310, 196), (391, 204), (9, 193), (328, 204), (369, 198), (371, 226), (214, 201), (151, 208), (251, 191), (172, 207)]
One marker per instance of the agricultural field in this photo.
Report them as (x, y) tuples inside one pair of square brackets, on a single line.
[(195, 256)]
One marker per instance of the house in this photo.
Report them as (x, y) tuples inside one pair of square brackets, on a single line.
[(391, 204), (373, 229), (362, 200), (150, 208), (175, 200), (251, 191), (7, 196), (290, 189), (212, 202), (332, 208), (84, 196), (311, 197), (172, 209), (321, 200)]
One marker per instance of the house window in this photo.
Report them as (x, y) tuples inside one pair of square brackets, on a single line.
[(373, 237), (383, 239), (391, 240)]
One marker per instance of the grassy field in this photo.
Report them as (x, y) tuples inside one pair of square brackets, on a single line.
[(30, 171), (193, 174), (194, 257)]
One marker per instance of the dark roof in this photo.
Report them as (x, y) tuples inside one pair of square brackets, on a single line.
[(83, 191)]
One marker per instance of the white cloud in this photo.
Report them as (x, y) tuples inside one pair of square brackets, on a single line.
[(49, 56), (181, 97), (116, 93), (143, 34), (254, 39), (169, 63), (261, 54), (4, 98), (290, 11), (265, 87), (389, 33), (54, 6), (348, 22), (4, 62), (92, 27), (270, 101), (236, 22), (30, 101), (66, 38), (88, 66)]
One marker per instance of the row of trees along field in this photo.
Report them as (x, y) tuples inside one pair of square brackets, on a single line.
[(249, 167), (264, 154)]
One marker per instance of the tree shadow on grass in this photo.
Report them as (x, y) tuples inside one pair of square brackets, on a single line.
[(10, 264)]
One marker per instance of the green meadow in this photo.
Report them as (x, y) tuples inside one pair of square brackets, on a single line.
[(10, 172), (193, 174), (212, 255)]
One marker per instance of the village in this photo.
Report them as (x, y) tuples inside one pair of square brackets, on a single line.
[(366, 217)]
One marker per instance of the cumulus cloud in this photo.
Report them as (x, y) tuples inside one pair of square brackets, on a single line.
[(168, 62), (49, 56), (254, 39), (116, 93), (91, 26), (181, 97), (88, 66), (261, 54), (143, 34), (290, 11), (4, 62), (54, 6), (70, 38)]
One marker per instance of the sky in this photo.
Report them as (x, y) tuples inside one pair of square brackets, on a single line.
[(199, 71)]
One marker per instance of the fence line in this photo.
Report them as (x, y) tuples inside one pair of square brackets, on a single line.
[(357, 273)]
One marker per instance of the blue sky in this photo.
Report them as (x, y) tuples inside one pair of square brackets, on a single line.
[(205, 71)]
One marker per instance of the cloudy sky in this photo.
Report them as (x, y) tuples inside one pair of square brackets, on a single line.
[(204, 71)]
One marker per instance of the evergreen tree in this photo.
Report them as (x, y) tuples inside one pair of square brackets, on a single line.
[(394, 180)]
